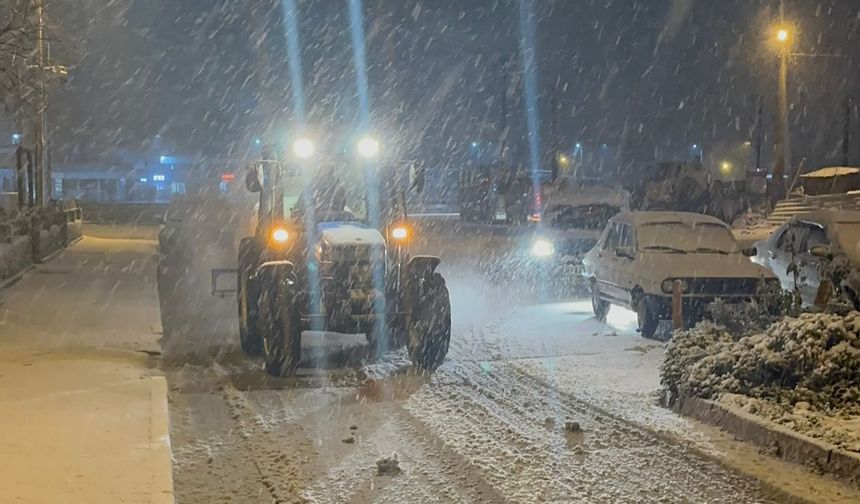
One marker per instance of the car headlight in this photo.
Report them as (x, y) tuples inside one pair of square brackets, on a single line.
[(668, 285), (542, 248)]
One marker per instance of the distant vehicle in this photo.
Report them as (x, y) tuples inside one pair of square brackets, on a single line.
[(641, 254), (802, 248), (573, 219)]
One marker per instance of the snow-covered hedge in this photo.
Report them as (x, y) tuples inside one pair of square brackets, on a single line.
[(813, 358)]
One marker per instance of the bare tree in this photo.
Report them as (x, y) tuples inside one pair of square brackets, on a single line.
[(17, 48)]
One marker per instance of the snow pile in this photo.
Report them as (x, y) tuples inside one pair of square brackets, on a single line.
[(802, 372), (814, 358)]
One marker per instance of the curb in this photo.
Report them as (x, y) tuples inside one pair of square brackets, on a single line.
[(162, 491), (785, 443), (12, 280)]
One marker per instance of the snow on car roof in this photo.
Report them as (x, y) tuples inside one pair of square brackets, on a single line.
[(825, 217), (664, 217)]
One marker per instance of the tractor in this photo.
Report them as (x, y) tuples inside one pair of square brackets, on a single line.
[(324, 258)]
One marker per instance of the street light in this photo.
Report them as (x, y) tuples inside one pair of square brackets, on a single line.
[(782, 35)]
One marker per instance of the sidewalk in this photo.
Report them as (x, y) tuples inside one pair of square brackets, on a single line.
[(84, 418)]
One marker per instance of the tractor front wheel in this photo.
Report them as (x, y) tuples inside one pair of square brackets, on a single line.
[(282, 331), (429, 324)]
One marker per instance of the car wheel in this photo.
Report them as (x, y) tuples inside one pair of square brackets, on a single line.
[(647, 317), (247, 295), (429, 325), (282, 334), (598, 304)]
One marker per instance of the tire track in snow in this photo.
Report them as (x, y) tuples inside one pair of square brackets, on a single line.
[(499, 426), (279, 471)]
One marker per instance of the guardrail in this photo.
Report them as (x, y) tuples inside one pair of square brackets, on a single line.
[(33, 235)]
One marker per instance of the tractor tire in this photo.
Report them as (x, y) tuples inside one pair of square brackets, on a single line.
[(598, 304), (247, 296), (648, 318), (282, 331), (429, 325)]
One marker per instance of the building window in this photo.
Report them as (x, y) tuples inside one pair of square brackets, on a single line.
[(177, 187), (58, 187)]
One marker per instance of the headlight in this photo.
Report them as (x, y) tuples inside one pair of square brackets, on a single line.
[(668, 285), (400, 233), (280, 235), (368, 147), (304, 148), (543, 248)]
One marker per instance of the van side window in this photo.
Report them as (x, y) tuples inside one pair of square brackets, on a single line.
[(626, 239), (614, 236)]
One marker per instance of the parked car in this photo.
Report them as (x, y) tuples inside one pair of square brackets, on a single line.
[(570, 225), (802, 248), (641, 254)]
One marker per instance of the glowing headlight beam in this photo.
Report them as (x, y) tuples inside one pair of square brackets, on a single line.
[(530, 88), (304, 148), (368, 147), (542, 248), (294, 60), (356, 28)]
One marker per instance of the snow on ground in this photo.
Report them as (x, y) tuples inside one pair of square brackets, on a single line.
[(99, 293), (83, 421)]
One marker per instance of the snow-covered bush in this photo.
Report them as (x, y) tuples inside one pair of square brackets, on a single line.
[(814, 358)]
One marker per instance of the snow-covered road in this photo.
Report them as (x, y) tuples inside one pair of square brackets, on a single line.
[(536, 403)]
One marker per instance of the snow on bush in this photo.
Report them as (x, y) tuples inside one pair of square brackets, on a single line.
[(814, 357)]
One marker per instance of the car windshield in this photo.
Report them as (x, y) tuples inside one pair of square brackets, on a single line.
[(706, 238), (580, 216)]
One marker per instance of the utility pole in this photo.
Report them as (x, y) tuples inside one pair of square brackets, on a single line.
[(39, 122), (782, 148), (781, 141), (759, 132), (846, 131)]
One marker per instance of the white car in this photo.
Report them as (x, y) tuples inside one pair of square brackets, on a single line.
[(573, 220), (800, 249), (641, 254)]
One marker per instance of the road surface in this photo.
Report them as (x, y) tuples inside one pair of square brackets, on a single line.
[(537, 402)]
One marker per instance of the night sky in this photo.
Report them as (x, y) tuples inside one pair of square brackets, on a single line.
[(648, 78)]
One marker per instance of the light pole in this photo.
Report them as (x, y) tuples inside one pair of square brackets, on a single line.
[(39, 123), (782, 148)]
